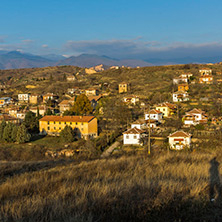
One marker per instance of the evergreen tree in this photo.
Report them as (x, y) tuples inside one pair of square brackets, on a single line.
[(7, 133), (67, 134), (31, 122), (22, 134), (48, 112), (14, 133), (82, 105), (2, 126)]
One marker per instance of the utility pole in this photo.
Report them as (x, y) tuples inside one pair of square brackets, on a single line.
[(149, 133), (178, 111)]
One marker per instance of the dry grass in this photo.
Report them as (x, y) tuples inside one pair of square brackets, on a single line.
[(172, 187)]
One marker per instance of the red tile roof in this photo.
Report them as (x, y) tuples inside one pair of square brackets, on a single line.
[(180, 134), (68, 118), (134, 131)]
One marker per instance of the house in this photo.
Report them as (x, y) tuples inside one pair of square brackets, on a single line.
[(71, 78), (94, 100), (205, 71), (91, 92), (131, 99), (208, 79), (152, 122), (154, 114), (179, 140), (49, 96), (124, 87), (7, 118), (21, 115), (5, 101), (180, 96), (23, 97), (186, 75), (194, 117), (73, 90), (84, 126), (139, 124), (133, 136), (183, 87), (66, 105), (13, 111), (166, 108), (35, 99), (40, 109), (179, 80)]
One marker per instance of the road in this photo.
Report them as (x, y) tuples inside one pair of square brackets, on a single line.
[(108, 151)]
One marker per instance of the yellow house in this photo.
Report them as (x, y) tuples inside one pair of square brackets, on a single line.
[(124, 87), (183, 87), (85, 126), (166, 108)]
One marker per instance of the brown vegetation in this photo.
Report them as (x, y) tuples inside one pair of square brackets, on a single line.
[(172, 187)]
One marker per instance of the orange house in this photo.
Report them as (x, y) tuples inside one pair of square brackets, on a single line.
[(183, 87)]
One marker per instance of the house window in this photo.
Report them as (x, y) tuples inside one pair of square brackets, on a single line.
[(127, 136), (54, 122), (48, 122), (60, 128), (48, 128), (76, 123), (59, 122), (82, 123), (65, 122), (134, 137), (54, 128), (70, 123)]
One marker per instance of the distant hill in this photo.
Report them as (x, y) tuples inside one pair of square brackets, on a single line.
[(16, 60), (88, 60)]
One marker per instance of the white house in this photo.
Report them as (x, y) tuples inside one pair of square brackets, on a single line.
[(23, 97), (139, 124), (179, 140), (133, 136), (186, 75), (180, 79), (153, 123), (154, 114), (131, 99), (180, 96), (194, 117)]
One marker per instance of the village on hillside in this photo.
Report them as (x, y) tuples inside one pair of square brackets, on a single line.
[(181, 113)]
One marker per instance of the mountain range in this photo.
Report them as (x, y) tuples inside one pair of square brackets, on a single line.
[(16, 59)]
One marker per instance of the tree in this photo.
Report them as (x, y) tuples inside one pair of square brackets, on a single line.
[(22, 134), (67, 134), (7, 133), (31, 122), (48, 112), (2, 126), (14, 133), (82, 105)]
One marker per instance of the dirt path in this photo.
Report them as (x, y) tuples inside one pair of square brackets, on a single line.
[(108, 151)]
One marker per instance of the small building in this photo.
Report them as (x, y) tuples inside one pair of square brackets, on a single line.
[(84, 126), (205, 71), (73, 90), (71, 78), (35, 99), (186, 75), (194, 117), (40, 109), (131, 99), (139, 124), (5, 101), (21, 115), (183, 87), (180, 96), (154, 114), (94, 100), (208, 79), (91, 92), (49, 96), (179, 140), (124, 87), (133, 136), (179, 80), (7, 118), (23, 97), (167, 109), (66, 105)]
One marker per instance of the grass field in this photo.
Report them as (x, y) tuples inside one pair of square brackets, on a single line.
[(173, 187)]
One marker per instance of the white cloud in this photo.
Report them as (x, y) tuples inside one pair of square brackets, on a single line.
[(45, 46)]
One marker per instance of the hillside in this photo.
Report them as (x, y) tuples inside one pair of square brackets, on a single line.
[(171, 187)]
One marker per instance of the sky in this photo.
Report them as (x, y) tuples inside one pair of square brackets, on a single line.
[(123, 29)]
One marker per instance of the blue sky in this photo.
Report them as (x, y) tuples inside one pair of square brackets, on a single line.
[(121, 29)]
